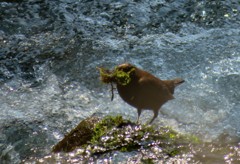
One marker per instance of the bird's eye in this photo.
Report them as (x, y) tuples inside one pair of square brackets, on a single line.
[(125, 69)]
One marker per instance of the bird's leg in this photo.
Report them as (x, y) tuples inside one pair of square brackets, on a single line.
[(155, 116), (139, 113)]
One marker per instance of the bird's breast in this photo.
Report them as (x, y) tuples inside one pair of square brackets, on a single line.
[(127, 92), (144, 96)]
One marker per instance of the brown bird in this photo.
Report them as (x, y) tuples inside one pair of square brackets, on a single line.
[(145, 91)]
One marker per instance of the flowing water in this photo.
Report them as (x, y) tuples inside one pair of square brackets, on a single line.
[(49, 51)]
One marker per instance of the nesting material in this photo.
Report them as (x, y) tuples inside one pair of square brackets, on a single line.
[(116, 76)]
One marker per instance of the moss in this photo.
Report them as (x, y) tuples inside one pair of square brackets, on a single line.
[(124, 149), (147, 161), (123, 78), (193, 139), (106, 75), (105, 125), (173, 152), (117, 76)]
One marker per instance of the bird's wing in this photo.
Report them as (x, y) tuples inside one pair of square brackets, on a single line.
[(154, 86)]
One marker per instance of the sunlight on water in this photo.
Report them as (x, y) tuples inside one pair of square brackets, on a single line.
[(49, 82)]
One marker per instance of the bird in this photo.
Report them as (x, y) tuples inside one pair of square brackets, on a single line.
[(144, 91)]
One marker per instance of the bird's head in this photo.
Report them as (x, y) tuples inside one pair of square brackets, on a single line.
[(125, 67)]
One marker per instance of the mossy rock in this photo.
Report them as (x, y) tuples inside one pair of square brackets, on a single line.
[(116, 134), (78, 136)]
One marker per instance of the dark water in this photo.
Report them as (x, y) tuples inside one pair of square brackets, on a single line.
[(50, 50)]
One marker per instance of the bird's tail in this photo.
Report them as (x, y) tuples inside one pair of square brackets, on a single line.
[(178, 81)]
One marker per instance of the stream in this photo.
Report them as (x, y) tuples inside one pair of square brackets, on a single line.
[(49, 51)]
